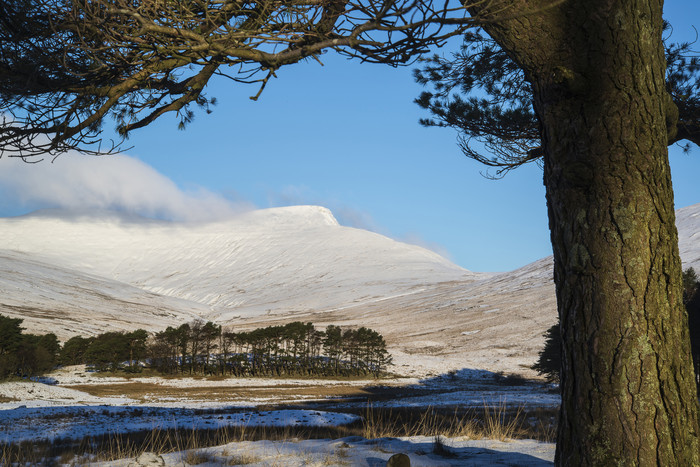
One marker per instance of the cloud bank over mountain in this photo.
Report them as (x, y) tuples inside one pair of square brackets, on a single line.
[(125, 184), (118, 183)]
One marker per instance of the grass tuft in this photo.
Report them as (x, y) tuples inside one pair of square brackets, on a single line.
[(499, 425), (241, 459), (198, 457), (440, 449)]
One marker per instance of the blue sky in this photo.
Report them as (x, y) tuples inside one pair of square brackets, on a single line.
[(345, 136)]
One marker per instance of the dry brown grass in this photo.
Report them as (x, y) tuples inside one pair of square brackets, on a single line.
[(143, 392), (241, 459), (198, 457), (384, 423), (500, 423), (113, 446)]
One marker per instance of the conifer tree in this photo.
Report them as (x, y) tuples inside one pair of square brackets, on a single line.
[(691, 298), (549, 360), (587, 89), (73, 350)]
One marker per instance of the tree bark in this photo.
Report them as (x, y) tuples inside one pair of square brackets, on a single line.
[(597, 69)]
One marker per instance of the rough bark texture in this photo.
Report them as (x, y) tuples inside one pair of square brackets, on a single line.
[(597, 69)]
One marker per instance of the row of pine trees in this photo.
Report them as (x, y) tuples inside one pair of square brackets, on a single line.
[(199, 348), (25, 355)]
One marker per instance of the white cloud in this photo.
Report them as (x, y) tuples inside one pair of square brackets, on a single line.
[(116, 182)]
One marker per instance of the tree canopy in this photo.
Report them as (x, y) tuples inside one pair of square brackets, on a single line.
[(292, 349), (24, 355), (67, 66), (484, 95)]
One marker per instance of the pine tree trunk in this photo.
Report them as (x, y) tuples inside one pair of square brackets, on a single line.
[(628, 396), (597, 71), (627, 382)]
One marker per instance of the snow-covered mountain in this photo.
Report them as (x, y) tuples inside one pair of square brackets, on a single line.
[(85, 273), (274, 260)]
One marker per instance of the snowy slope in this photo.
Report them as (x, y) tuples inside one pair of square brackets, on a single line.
[(270, 261), (688, 223), (66, 302), (106, 271)]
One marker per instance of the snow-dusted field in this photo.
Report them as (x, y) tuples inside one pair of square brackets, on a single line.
[(469, 388), (361, 452), (52, 410), (76, 422)]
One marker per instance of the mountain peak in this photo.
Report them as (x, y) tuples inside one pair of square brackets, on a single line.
[(285, 258), (306, 215)]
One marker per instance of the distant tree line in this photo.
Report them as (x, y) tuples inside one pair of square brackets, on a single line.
[(294, 349), (549, 361), (25, 355), (199, 348)]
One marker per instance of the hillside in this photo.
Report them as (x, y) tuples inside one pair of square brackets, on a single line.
[(275, 260), (84, 273)]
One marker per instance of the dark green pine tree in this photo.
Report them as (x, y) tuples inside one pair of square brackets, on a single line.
[(480, 92), (73, 351), (549, 361), (10, 334), (690, 285), (10, 340), (333, 346)]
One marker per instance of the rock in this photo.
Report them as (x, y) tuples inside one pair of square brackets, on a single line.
[(399, 460), (148, 459)]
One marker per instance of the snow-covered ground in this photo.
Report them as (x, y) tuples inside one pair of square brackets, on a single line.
[(274, 260), (468, 388), (447, 328), (688, 223), (76, 422), (72, 422), (49, 409), (360, 452)]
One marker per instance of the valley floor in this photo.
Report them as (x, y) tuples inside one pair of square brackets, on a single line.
[(73, 403)]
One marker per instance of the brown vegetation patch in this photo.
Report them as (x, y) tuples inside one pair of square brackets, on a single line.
[(273, 393), (150, 391), (31, 312), (500, 423)]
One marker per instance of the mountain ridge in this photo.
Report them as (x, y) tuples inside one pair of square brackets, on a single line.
[(85, 274)]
